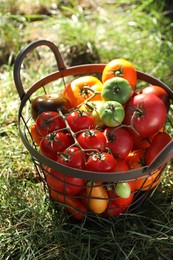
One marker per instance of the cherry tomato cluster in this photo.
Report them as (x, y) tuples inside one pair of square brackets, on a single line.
[(108, 127)]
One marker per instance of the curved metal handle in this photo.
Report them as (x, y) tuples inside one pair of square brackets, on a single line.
[(22, 55)]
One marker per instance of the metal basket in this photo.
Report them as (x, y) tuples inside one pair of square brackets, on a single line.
[(42, 163)]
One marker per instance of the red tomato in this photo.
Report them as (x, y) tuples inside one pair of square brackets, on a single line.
[(119, 141), (73, 205), (101, 162), (159, 92), (114, 210), (146, 113), (159, 141), (80, 120), (37, 137), (64, 184), (47, 122), (54, 143), (121, 68), (92, 139), (120, 202), (83, 88), (123, 166), (141, 143), (72, 157)]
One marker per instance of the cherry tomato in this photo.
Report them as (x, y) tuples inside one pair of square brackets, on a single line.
[(119, 141), (64, 184), (53, 143), (146, 114), (159, 92), (80, 120), (97, 197), (47, 122), (37, 137), (121, 68), (72, 157), (82, 88), (92, 139), (159, 141), (73, 205), (101, 162)]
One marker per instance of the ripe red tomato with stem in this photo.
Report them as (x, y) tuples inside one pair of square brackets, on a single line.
[(72, 157), (53, 143), (101, 162), (119, 141), (145, 114), (48, 122), (80, 120), (92, 139)]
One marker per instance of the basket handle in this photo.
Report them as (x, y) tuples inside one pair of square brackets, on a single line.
[(22, 55)]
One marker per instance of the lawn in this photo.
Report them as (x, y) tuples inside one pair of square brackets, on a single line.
[(85, 32)]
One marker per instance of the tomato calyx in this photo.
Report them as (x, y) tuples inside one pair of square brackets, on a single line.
[(90, 132), (138, 111), (116, 89), (86, 90), (118, 72), (111, 137)]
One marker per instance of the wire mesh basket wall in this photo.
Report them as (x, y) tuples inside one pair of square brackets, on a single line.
[(91, 193)]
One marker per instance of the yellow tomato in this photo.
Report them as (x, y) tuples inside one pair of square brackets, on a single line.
[(93, 107)]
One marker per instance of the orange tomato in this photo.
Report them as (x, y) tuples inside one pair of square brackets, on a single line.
[(37, 137), (148, 182), (121, 68), (136, 159), (82, 88), (97, 197)]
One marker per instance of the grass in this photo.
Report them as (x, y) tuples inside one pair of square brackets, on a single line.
[(85, 32)]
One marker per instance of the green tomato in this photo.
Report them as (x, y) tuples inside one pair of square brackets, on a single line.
[(117, 89), (111, 113), (123, 190)]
